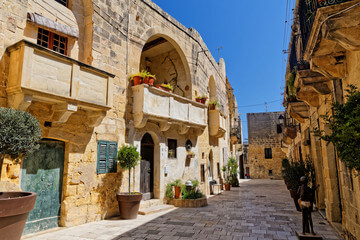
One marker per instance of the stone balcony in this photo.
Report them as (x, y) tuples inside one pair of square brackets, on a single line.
[(37, 74), (167, 109), (298, 111), (311, 85), (217, 123)]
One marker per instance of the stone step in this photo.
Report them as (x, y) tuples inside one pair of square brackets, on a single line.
[(155, 209), (150, 203)]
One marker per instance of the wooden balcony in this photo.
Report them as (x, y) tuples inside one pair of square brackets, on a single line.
[(217, 123), (42, 75), (167, 109)]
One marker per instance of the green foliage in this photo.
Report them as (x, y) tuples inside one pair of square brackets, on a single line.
[(214, 103), (128, 157), (293, 171), (193, 194), (195, 183), (230, 172), (168, 86), (177, 182), (345, 129), (290, 87), (169, 190), (19, 133)]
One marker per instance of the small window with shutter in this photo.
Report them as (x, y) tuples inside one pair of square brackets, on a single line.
[(107, 152)]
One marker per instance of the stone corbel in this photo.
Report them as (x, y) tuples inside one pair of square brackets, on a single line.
[(198, 131), (221, 133), (331, 67), (63, 111), (20, 101), (183, 129), (140, 120), (164, 125), (95, 118)]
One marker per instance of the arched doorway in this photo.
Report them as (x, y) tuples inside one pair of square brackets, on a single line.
[(147, 167), (42, 172)]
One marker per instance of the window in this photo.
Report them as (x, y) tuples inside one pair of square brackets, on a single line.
[(279, 128), (172, 145), (62, 2), (52, 41), (268, 153), (202, 173), (107, 152), (218, 170), (271, 173)]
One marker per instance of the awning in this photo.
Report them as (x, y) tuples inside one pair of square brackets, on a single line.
[(48, 23)]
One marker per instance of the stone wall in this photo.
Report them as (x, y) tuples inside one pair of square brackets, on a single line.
[(112, 35), (262, 133)]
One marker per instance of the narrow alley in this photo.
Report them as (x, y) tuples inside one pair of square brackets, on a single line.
[(259, 209)]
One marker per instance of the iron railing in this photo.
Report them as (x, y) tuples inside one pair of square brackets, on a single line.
[(307, 13)]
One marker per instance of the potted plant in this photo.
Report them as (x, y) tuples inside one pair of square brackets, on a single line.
[(292, 172), (137, 78), (177, 188), (129, 202), (148, 77), (226, 171), (190, 154), (213, 104), (19, 133), (201, 99), (165, 87), (233, 168)]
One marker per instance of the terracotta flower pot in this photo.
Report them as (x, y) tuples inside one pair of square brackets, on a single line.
[(14, 210), (129, 205), (137, 80), (198, 100), (151, 81), (177, 192), (203, 100), (227, 186), (165, 88)]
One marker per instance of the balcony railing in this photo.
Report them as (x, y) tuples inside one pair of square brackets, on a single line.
[(307, 13), (37, 73), (150, 103)]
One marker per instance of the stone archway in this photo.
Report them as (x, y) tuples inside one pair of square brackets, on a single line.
[(161, 55), (151, 132), (147, 167)]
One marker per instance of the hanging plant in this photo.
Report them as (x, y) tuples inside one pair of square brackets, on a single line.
[(345, 127)]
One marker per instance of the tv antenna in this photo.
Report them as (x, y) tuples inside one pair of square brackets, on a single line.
[(218, 49)]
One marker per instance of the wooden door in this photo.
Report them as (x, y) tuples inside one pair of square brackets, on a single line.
[(147, 167), (42, 172)]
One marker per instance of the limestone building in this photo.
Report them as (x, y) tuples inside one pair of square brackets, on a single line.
[(68, 62), (264, 150), (323, 60)]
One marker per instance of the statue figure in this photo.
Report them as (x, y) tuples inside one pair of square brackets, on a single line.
[(307, 198)]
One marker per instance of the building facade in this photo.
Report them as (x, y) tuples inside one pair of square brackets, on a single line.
[(67, 62), (323, 61), (264, 150)]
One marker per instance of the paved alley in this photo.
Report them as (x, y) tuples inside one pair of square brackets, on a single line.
[(259, 209)]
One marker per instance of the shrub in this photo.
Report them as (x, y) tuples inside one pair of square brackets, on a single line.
[(19, 133), (345, 127), (128, 158)]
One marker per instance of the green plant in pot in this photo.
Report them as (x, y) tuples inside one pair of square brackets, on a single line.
[(233, 172), (227, 178), (213, 104), (19, 135), (129, 203)]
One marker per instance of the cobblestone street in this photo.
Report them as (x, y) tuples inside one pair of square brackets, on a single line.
[(259, 209)]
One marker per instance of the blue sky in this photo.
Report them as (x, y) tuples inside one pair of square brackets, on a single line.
[(251, 34)]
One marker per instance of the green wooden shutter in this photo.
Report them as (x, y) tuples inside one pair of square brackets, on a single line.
[(112, 156), (102, 157)]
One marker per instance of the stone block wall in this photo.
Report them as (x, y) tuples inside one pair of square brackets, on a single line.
[(112, 35), (263, 133)]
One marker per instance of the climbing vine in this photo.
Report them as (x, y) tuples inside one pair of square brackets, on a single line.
[(345, 127)]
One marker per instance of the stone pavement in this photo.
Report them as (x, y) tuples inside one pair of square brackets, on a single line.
[(259, 209)]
